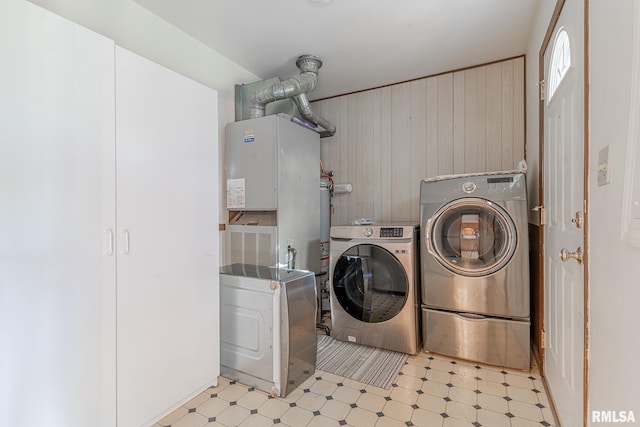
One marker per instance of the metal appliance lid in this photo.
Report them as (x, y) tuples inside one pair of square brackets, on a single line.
[(263, 272), (470, 175)]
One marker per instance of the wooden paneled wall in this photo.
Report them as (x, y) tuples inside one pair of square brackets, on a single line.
[(390, 138)]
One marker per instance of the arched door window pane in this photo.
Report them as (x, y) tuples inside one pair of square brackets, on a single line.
[(560, 61)]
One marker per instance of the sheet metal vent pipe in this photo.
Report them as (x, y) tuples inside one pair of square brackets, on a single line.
[(295, 88)]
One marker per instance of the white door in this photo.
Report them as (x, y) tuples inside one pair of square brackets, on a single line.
[(57, 282), (167, 221), (563, 198)]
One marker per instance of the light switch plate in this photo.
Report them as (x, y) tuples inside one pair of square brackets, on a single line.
[(603, 166)]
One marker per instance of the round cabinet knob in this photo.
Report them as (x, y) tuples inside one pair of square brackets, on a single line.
[(469, 187), (367, 232)]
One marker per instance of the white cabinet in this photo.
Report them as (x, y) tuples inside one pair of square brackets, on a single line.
[(167, 222), (108, 229), (57, 287)]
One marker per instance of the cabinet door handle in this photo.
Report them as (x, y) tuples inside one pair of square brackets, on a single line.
[(109, 234), (125, 238)]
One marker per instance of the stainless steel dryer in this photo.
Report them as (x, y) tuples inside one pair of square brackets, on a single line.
[(374, 276), (475, 267)]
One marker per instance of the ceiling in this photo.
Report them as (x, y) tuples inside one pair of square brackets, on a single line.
[(362, 44)]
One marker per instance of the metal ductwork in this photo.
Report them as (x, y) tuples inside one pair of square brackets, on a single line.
[(296, 89)]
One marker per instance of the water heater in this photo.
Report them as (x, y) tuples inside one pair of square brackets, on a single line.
[(273, 180)]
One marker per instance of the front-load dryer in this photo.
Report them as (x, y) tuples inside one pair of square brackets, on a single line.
[(374, 276), (475, 267)]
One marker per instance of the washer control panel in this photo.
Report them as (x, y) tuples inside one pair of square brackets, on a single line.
[(484, 186), (391, 231)]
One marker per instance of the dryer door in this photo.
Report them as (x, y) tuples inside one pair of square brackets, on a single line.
[(471, 237), (370, 283)]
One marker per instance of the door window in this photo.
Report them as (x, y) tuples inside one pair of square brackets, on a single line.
[(472, 237), (370, 283), (560, 61)]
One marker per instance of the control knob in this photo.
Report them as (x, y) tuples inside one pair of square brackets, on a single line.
[(469, 187)]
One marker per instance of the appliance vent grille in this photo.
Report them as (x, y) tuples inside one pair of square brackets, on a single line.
[(250, 246)]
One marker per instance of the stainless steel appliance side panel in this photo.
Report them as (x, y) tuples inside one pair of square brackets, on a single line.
[(298, 193), (298, 331), (401, 333), (246, 333), (504, 293), (488, 340)]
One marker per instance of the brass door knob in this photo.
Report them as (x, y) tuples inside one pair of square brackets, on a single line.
[(565, 255)]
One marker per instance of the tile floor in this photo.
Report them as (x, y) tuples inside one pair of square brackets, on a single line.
[(431, 391)]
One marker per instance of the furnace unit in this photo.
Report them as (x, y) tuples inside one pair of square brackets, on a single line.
[(273, 180)]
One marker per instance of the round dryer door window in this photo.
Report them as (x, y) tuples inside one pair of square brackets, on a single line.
[(370, 283), (471, 237)]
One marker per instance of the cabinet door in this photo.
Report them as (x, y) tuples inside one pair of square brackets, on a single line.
[(57, 282), (167, 220)]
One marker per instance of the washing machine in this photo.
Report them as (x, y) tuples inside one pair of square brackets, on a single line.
[(475, 267), (374, 276)]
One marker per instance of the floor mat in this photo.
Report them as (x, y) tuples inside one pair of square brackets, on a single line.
[(369, 365)]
